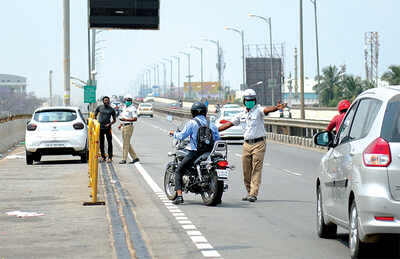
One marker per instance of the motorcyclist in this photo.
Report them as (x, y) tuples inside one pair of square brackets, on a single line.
[(343, 106), (199, 113)]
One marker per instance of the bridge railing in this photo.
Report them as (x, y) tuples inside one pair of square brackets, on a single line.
[(292, 131)]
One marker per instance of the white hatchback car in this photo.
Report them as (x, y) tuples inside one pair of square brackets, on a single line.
[(56, 131), (145, 109), (225, 115)]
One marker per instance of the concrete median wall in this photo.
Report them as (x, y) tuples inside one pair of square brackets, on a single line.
[(11, 132)]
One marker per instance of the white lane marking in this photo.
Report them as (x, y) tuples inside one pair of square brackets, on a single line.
[(199, 240), (188, 227), (210, 253), (204, 246), (194, 233), (291, 172)]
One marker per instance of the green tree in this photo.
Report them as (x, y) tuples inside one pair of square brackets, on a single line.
[(329, 90), (392, 76)]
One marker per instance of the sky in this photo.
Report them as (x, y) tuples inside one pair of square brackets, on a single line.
[(31, 35)]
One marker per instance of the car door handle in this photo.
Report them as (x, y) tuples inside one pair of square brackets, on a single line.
[(352, 153)]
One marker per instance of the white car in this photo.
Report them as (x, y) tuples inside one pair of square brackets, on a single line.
[(56, 131), (145, 109), (225, 115)]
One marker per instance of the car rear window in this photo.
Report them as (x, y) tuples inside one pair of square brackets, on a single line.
[(55, 116), (230, 113), (391, 122)]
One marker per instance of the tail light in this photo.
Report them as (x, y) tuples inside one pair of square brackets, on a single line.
[(222, 164), (31, 127), (377, 154), (223, 121), (79, 126)]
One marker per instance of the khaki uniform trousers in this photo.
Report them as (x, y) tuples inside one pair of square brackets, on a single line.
[(127, 132), (252, 162)]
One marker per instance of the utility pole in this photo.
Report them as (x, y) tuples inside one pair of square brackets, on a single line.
[(302, 113), (316, 37), (67, 83), (296, 79), (93, 76), (50, 88), (179, 76)]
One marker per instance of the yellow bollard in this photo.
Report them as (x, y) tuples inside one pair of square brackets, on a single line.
[(94, 134)]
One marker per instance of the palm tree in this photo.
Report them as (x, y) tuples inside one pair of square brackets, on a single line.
[(329, 89), (392, 76)]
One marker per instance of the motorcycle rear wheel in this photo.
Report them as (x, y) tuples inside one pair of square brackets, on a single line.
[(213, 196), (169, 182)]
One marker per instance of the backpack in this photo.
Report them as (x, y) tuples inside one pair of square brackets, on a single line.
[(205, 138)]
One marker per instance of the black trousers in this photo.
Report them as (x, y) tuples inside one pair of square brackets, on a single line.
[(186, 162), (107, 132)]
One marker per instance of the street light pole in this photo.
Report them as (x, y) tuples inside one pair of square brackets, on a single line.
[(302, 113), (219, 67), (189, 76), (67, 83), (50, 88), (179, 75), (272, 81), (201, 65), (172, 83), (316, 37), (241, 32)]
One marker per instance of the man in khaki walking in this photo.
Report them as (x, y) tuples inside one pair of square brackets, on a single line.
[(128, 117), (252, 121)]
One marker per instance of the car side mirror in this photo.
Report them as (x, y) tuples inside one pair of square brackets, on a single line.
[(324, 139), (27, 122)]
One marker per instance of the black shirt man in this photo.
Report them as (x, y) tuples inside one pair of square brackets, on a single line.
[(106, 112)]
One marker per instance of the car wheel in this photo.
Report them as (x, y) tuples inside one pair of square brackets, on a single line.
[(29, 158), (84, 156), (151, 116), (37, 158), (356, 246), (324, 230)]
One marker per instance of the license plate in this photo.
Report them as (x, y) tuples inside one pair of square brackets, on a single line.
[(222, 173), (55, 145)]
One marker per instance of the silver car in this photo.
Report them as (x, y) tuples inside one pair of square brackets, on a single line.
[(358, 186)]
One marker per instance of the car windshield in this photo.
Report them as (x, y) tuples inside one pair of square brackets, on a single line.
[(145, 105), (231, 113), (55, 116), (231, 106)]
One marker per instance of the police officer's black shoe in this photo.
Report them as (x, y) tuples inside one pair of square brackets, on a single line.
[(178, 200), (245, 198), (134, 160), (122, 162), (252, 199)]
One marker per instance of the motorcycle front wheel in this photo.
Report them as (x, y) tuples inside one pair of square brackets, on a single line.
[(169, 181), (213, 195)]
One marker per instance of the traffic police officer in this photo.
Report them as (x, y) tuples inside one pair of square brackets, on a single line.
[(127, 118), (254, 145)]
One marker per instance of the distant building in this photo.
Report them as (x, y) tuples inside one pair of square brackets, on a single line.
[(292, 97), (14, 83)]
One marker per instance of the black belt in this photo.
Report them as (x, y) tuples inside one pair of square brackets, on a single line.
[(254, 140), (126, 124)]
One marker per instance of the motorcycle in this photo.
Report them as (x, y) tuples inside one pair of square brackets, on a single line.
[(207, 176)]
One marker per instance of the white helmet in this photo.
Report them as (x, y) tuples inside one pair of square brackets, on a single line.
[(128, 96), (249, 94)]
